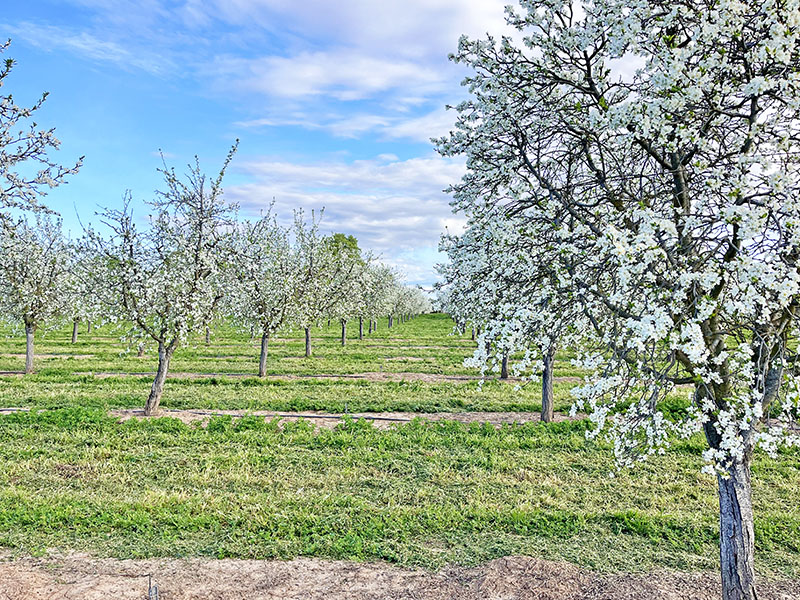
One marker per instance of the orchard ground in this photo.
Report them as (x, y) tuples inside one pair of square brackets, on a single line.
[(427, 501)]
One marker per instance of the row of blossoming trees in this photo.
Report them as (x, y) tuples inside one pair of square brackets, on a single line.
[(190, 262), (633, 192), (163, 279)]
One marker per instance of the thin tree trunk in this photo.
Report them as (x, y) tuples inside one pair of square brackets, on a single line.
[(262, 361), (140, 351), (370, 325), (208, 336), (547, 384), (473, 334), (154, 399), (504, 367), (736, 533), (308, 342), (361, 328), (390, 321), (88, 326), (375, 329), (30, 329), (344, 332), (75, 325)]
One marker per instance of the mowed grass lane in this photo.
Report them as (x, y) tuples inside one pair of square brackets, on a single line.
[(421, 493)]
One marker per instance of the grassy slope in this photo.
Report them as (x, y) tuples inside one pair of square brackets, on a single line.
[(71, 477)]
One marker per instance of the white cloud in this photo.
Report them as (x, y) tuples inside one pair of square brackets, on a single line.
[(396, 208), (342, 74), (419, 129)]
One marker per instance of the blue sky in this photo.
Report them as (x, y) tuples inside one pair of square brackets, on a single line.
[(334, 103)]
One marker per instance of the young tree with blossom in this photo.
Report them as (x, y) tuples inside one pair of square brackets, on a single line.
[(665, 199), (35, 264), (326, 267), (164, 278), (376, 286), (508, 297), (263, 293), (81, 303)]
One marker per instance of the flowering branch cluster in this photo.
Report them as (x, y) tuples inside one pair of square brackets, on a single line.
[(654, 215)]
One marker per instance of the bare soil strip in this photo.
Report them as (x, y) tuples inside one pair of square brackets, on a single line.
[(370, 376), (511, 578), (61, 355), (382, 420)]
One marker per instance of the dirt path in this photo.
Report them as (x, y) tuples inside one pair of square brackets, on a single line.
[(382, 420), (512, 578), (369, 376)]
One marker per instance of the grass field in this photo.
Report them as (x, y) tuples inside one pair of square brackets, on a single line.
[(422, 493)]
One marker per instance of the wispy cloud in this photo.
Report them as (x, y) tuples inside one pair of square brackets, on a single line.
[(341, 74), (416, 128), (53, 38)]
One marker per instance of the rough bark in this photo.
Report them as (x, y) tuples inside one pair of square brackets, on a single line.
[(736, 533), (344, 332), (308, 341), (157, 390), (547, 384), (736, 530), (262, 360), (361, 328), (30, 329), (75, 325), (504, 367)]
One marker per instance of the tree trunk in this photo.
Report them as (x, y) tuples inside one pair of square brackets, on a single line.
[(547, 384), (344, 332), (30, 329), (736, 533), (473, 334), (262, 361), (208, 336), (370, 326), (308, 342), (140, 351), (88, 327), (75, 325), (154, 399), (390, 321), (361, 328), (504, 367)]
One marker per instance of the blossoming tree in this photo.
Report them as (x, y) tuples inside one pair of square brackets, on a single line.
[(490, 280), (35, 263), (164, 279), (326, 267), (650, 151), (263, 293)]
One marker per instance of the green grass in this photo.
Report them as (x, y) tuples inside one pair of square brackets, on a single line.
[(421, 493)]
